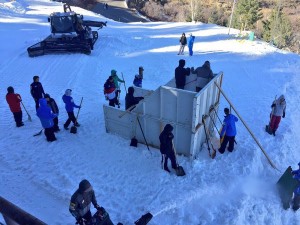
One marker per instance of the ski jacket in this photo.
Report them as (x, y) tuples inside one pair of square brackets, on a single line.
[(37, 90), (182, 40), (228, 127), (45, 114), (130, 100), (166, 138), (68, 100), (278, 106), (138, 81), (52, 104), (203, 72), (180, 74), (296, 175), (81, 203), (117, 80), (109, 89), (191, 41), (13, 101)]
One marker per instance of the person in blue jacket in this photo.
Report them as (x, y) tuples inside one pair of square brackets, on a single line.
[(46, 116), (296, 199), (191, 44), (70, 105), (228, 131)]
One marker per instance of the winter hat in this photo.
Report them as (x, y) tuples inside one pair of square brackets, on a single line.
[(182, 62), (168, 128), (84, 185), (10, 90), (35, 77), (68, 92), (226, 111), (46, 96), (206, 64), (141, 68), (130, 90), (113, 72)]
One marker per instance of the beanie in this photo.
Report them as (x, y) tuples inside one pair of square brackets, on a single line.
[(113, 72), (35, 77), (226, 111), (68, 92), (84, 185), (10, 89), (46, 96)]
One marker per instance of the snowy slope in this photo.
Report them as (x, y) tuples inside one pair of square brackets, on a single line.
[(236, 188)]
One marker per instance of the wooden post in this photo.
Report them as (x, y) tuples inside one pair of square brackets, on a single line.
[(255, 139)]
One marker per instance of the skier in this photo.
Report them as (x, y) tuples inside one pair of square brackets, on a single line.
[(191, 44), (110, 91), (202, 72), (36, 90), (183, 43), (116, 81), (13, 101), (166, 148), (278, 111), (80, 204), (296, 199), (228, 131), (180, 74), (46, 117), (138, 78), (130, 100), (52, 104), (70, 105)]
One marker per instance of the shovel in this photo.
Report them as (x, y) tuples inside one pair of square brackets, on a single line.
[(29, 117), (73, 129)]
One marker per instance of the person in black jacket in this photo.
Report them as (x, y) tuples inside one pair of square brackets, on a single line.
[(166, 147), (36, 90), (180, 74), (183, 43), (81, 202), (52, 104), (130, 100)]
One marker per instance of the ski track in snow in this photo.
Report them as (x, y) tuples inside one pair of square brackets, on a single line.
[(235, 188)]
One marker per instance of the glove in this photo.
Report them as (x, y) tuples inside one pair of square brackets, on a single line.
[(98, 207), (283, 115), (273, 105), (80, 221)]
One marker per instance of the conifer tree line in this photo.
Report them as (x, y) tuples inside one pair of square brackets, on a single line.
[(274, 21)]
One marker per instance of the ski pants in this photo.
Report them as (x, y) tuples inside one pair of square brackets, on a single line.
[(18, 118), (181, 50), (49, 133), (71, 117), (224, 143), (37, 104), (55, 121), (274, 124), (296, 202), (191, 51), (165, 158)]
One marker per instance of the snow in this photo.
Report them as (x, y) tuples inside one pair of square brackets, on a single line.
[(234, 188)]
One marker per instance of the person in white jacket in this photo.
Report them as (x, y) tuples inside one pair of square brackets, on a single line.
[(278, 111)]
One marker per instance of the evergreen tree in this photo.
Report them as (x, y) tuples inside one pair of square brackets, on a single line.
[(247, 13), (277, 29)]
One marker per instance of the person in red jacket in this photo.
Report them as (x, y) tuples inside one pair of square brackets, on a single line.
[(13, 101)]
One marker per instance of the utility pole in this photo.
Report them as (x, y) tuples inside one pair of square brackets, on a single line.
[(234, 1)]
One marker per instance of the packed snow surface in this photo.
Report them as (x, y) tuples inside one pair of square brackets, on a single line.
[(234, 188)]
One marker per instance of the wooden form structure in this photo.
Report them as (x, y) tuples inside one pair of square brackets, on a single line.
[(183, 109)]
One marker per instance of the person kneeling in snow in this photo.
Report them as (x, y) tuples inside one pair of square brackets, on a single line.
[(46, 117), (81, 203), (296, 199)]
